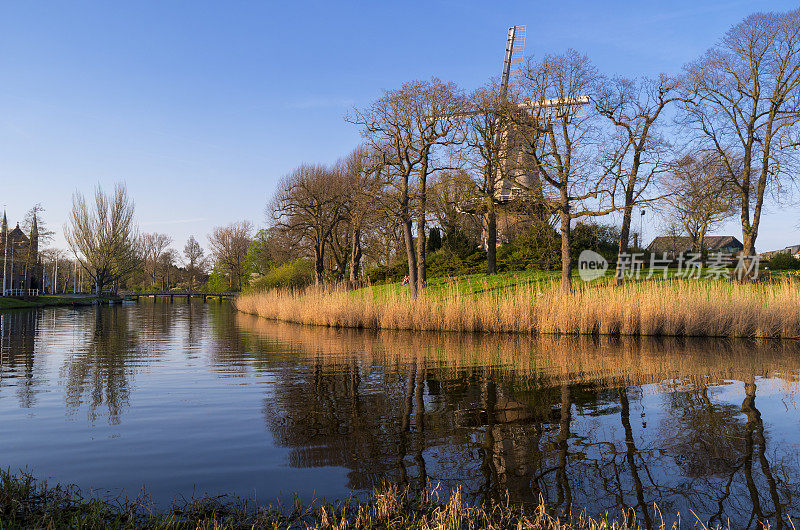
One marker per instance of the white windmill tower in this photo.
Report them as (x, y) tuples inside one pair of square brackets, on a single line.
[(518, 177), (520, 181)]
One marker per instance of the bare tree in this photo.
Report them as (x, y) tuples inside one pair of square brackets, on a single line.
[(154, 245), (194, 260), (33, 225), (362, 174), (449, 193), (561, 140), (405, 125), (700, 196), (44, 233), (640, 155), (383, 238), (742, 99), (103, 237), (166, 264), (310, 202), (489, 140), (229, 246), (56, 266)]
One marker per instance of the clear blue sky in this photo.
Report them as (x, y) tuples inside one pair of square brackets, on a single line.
[(201, 106)]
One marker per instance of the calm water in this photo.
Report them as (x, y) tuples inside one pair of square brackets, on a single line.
[(185, 399)]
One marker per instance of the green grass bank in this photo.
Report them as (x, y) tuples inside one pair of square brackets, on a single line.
[(7, 303), (28, 503)]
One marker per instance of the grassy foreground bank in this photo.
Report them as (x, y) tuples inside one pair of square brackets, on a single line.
[(669, 307), (27, 503)]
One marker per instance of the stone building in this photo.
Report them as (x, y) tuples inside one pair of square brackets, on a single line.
[(20, 264)]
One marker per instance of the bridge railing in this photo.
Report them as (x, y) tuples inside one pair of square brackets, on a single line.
[(21, 292), (226, 294)]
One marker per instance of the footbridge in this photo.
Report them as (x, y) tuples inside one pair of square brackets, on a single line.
[(205, 295)]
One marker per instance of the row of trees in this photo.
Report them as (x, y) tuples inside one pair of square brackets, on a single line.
[(579, 144), (111, 253)]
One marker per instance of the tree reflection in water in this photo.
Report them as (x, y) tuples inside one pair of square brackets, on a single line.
[(531, 417), (97, 371), (17, 354)]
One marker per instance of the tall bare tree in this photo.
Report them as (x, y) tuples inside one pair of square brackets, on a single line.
[(743, 100), (405, 125), (154, 245), (194, 260), (560, 137), (700, 195), (229, 249), (640, 157), (166, 266), (310, 202), (362, 172), (487, 138), (103, 237)]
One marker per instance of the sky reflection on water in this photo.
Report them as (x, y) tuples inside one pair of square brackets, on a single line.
[(184, 399)]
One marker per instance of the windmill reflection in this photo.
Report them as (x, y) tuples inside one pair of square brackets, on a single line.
[(549, 417)]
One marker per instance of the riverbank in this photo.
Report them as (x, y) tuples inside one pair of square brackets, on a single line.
[(49, 301), (697, 308), (28, 503)]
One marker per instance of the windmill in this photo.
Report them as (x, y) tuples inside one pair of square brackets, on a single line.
[(515, 53), (514, 180)]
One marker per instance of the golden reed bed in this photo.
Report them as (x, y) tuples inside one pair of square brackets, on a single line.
[(669, 308)]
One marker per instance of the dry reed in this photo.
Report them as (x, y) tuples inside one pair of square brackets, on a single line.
[(657, 308)]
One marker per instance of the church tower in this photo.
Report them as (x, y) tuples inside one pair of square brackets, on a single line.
[(32, 269), (34, 241)]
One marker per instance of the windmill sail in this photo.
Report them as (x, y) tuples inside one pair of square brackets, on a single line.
[(512, 63)]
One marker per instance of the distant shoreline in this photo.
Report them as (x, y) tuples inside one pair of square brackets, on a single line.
[(8, 303)]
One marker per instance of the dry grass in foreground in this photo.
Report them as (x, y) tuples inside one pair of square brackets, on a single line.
[(27, 503), (670, 308)]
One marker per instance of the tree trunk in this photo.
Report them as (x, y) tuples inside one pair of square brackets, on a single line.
[(422, 267), (748, 249), (319, 264), (421, 262), (566, 239), (624, 236), (408, 238), (491, 236), (355, 256), (701, 240)]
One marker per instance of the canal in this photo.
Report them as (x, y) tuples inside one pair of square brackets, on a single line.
[(185, 399)]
